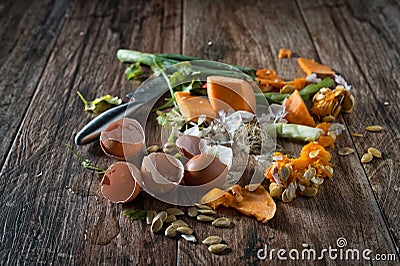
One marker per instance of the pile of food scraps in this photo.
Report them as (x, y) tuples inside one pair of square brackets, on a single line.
[(207, 119)]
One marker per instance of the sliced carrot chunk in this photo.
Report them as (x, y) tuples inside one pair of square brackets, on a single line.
[(310, 66)]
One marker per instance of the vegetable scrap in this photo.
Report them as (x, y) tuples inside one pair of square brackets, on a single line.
[(257, 203), (101, 104), (312, 67), (284, 53)]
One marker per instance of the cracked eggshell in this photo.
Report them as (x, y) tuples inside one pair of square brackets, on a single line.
[(119, 183), (161, 173), (122, 139), (205, 168), (188, 145)]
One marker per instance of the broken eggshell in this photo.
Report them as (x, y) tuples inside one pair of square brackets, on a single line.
[(161, 173), (203, 169), (122, 139), (188, 145), (119, 183)]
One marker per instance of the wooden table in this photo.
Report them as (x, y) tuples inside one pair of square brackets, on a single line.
[(51, 208)]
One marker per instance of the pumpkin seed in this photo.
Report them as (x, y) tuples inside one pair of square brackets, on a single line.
[(185, 230), (318, 97), (204, 218), (329, 170), (221, 222), (374, 128), (328, 118), (217, 248), (179, 223), (202, 206), (310, 191), (289, 193), (175, 211), (190, 238), (386, 103), (313, 154), (169, 147), (211, 240), (170, 218), (317, 180), (162, 215), (152, 148), (357, 135), (207, 212), (348, 103), (375, 152), (150, 216), (275, 190), (310, 173), (156, 225), (287, 89), (366, 158), (345, 151), (170, 231), (305, 245), (324, 90), (192, 211), (284, 173)]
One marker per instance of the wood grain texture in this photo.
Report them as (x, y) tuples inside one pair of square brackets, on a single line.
[(27, 39), (372, 64), (53, 211)]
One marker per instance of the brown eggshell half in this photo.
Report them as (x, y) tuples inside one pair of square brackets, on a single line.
[(188, 145), (161, 173), (122, 139), (119, 182), (204, 168)]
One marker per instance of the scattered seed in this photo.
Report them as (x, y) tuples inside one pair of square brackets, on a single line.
[(374, 128), (179, 223), (156, 225), (175, 211), (202, 206), (221, 222), (209, 43), (211, 240), (319, 97), (169, 147), (185, 230), (275, 190), (328, 118), (305, 245), (310, 173), (310, 191), (170, 231), (204, 218), (366, 158), (217, 248), (375, 152), (313, 154), (284, 173), (345, 151), (207, 212), (190, 238), (289, 193), (170, 218), (150, 216), (152, 148), (357, 135), (329, 170), (162, 215), (192, 211), (386, 103), (287, 89), (317, 180)]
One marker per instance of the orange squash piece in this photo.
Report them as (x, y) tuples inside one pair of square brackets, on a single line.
[(227, 93), (297, 110), (191, 107), (298, 83), (285, 53), (257, 203), (268, 79), (310, 66)]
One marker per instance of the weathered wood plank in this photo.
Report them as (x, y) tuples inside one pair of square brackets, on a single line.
[(53, 211), (251, 33), (365, 38), (28, 30)]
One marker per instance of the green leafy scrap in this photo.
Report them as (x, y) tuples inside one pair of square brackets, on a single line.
[(86, 163), (100, 105), (134, 71), (136, 214)]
